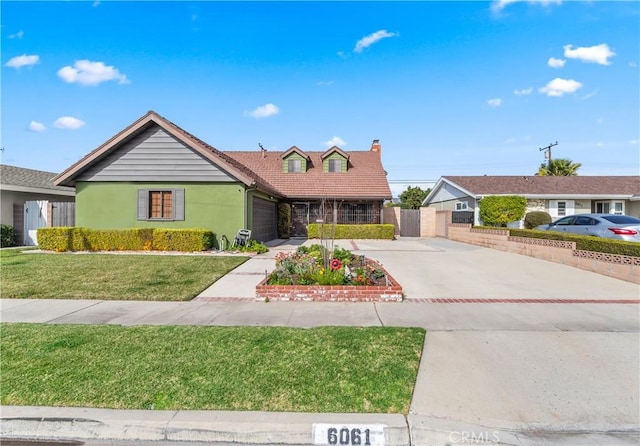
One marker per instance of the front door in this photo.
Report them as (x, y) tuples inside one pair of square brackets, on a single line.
[(299, 219)]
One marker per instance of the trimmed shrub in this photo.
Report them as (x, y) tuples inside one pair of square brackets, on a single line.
[(6, 236), (498, 210), (186, 240), (284, 220), (85, 239), (584, 242), (55, 239), (352, 231), (536, 218), (138, 239)]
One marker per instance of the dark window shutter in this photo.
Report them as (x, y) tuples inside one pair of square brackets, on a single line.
[(143, 204), (178, 204)]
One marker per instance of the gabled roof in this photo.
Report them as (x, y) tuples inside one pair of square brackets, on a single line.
[(294, 149), (334, 149), (20, 179), (365, 179), (209, 152), (544, 186)]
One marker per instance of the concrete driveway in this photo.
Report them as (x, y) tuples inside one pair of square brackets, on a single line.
[(437, 268)]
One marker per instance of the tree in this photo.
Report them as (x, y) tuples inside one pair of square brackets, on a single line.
[(498, 210), (413, 197), (559, 167)]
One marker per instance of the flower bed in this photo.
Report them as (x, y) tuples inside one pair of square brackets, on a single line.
[(311, 274)]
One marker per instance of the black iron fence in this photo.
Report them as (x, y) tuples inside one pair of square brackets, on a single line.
[(462, 217)]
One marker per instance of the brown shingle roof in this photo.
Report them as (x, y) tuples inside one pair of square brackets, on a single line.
[(365, 177), (548, 185)]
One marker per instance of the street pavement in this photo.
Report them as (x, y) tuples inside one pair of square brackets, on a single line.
[(494, 370)]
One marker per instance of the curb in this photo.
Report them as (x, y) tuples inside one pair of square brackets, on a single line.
[(250, 428)]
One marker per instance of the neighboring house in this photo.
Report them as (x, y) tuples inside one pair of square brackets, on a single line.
[(557, 195), (155, 174), (19, 186)]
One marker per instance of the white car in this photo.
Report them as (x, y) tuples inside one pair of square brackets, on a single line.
[(620, 227)]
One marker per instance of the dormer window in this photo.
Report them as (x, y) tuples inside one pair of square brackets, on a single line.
[(294, 165), (295, 160), (335, 165), (334, 160)]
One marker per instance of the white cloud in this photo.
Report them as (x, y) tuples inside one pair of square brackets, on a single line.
[(633, 64), (495, 102), (17, 35), (335, 141), (85, 72), (498, 5), (634, 142), (369, 40), (68, 122), (556, 63), (264, 111), (324, 83), (523, 92), (23, 61), (599, 54), (560, 87), (36, 126), (96, 3)]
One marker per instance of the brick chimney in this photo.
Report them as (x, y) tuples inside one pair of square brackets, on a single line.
[(375, 146)]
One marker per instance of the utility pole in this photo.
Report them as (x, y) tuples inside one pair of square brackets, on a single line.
[(547, 152)]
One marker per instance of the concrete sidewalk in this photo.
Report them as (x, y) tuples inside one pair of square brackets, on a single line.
[(491, 373)]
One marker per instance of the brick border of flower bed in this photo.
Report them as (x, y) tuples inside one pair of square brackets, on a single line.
[(331, 293)]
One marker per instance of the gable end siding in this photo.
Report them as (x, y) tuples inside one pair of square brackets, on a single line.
[(154, 155), (334, 156), (294, 156)]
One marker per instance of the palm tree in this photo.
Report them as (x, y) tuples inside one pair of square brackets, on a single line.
[(559, 167)]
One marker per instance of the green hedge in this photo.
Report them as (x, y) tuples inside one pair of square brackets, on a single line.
[(352, 231), (83, 239), (6, 236), (584, 242)]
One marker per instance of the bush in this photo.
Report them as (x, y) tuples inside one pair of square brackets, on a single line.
[(185, 240), (536, 218), (55, 239), (498, 210), (253, 246), (284, 220), (6, 236), (584, 242), (138, 239), (352, 231)]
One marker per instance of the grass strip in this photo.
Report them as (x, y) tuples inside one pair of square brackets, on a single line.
[(110, 276), (327, 369)]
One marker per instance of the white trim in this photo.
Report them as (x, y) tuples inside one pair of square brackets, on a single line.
[(38, 190)]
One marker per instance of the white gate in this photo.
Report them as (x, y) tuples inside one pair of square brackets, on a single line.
[(35, 216)]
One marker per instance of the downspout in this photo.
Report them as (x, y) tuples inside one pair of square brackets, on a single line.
[(246, 206)]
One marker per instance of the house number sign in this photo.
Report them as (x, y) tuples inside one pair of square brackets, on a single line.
[(348, 434)]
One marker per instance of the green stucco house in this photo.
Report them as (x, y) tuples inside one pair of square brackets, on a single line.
[(155, 174)]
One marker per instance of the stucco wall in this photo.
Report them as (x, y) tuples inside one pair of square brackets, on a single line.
[(113, 205)]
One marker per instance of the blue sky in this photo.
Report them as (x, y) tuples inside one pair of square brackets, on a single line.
[(449, 88)]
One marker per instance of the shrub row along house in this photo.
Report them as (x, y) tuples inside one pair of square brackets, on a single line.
[(155, 174), (556, 195)]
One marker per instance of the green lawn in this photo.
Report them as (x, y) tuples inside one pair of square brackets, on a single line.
[(110, 276), (329, 369)]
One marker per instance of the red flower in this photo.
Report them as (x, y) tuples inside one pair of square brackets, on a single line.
[(335, 264)]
